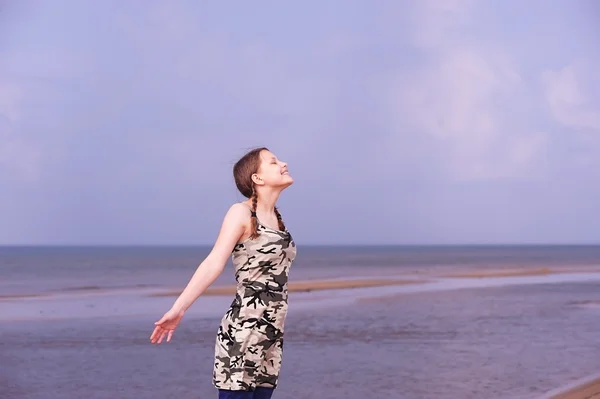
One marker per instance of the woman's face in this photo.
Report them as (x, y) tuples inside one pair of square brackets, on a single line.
[(272, 172)]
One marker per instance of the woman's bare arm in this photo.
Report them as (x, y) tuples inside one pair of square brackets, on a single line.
[(233, 228)]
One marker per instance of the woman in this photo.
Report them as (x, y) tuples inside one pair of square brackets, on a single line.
[(249, 341)]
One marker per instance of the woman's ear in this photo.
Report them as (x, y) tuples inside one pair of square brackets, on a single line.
[(257, 179)]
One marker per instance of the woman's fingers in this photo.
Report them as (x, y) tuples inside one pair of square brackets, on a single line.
[(161, 330), (159, 334), (154, 334), (165, 333)]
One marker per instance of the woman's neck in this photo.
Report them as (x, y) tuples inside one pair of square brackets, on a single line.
[(267, 199)]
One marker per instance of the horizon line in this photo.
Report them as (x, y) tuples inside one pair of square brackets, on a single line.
[(473, 244)]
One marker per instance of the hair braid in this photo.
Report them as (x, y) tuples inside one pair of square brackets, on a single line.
[(279, 220), (253, 217)]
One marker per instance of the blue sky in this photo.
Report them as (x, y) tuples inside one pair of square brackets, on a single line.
[(425, 122)]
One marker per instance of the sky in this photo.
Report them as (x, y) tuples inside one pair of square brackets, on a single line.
[(403, 122)]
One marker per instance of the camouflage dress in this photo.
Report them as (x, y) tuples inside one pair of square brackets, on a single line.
[(249, 341)]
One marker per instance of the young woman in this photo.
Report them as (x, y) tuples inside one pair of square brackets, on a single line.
[(249, 341)]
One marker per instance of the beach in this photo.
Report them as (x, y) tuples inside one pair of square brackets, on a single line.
[(459, 331), (311, 285), (585, 388), (345, 284)]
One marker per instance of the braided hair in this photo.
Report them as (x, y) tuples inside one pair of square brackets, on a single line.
[(242, 174)]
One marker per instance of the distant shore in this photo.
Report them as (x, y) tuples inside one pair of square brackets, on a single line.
[(320, 284), (337, 284), (518, 272), (310, 285)]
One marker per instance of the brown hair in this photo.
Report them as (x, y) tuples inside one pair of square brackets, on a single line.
[(242, 174)]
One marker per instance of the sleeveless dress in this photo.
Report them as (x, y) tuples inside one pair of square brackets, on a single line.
[(249, 343)]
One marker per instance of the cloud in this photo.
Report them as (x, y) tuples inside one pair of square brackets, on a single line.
[(119, 113), (464, 98), (567, 92)]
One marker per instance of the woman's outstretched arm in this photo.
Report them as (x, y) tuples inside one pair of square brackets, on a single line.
[(232, 229), (234, 226)]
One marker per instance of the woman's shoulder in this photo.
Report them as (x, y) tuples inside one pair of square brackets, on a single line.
[(241, 208), (238, 212)]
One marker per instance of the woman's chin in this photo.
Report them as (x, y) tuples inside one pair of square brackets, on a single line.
[(287, 180)]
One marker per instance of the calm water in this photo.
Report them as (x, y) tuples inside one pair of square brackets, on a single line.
[(511, 341)]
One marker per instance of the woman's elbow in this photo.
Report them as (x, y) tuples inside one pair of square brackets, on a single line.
[(214, 264)]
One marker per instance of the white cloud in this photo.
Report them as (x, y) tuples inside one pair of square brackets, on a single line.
[(570, 103), (462, 99)]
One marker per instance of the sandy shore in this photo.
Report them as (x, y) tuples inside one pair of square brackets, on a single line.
[(587, 388), (310, 285), (20, 296), (331, 284), (500, 273), (321, 285), (517, 272)]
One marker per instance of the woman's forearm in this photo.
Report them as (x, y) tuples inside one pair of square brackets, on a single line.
[(206, 273)]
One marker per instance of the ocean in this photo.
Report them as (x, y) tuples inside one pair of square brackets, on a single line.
[(75, 322)]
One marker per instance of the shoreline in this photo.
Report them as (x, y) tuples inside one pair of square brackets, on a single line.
[(319, 284), (517, 272), (308, 286), (584, 388), (399, 280), (308, 293)]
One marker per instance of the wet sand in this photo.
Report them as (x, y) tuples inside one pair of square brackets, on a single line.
[(502, 273), (305, 286), (20, 296), (518, 272), (503, 343), (587, 388), (339, 284), (311, 285)]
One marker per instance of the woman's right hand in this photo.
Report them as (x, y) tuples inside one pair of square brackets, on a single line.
[(166, 325)]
